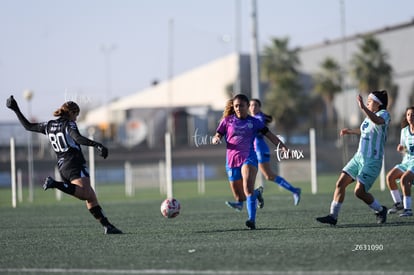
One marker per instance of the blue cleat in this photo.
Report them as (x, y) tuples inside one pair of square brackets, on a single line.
[(238, 206), (296, 196), (260, 197)]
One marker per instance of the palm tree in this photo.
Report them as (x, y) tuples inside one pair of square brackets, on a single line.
[(371, 70), (411, 97), (283, 98), (327, 85)]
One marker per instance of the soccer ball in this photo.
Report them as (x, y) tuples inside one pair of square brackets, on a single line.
[(170, 208)]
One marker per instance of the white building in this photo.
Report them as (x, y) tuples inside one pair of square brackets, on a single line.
[(197, 98)]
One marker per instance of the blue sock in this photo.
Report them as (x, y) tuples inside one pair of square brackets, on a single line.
[(282, 182), (251, 206)]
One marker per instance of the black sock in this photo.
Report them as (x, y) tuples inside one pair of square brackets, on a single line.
[(98, 213), (65, 187)]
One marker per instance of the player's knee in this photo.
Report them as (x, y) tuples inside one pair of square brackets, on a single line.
[(85, 194), (359, 192), (269, 177), (341, 185), (390, 180)]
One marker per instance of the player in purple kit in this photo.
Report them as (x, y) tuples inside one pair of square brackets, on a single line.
[(263, 154), (240, 130)]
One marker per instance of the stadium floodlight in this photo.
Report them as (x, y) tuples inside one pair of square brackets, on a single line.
[(28, 95)]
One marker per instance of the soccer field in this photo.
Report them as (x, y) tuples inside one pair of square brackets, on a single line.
[(49, 237)]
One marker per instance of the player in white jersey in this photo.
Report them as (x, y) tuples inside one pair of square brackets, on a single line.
[(405, 170), (365, 165)]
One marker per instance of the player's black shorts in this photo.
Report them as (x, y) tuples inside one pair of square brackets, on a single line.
[(73, 168)]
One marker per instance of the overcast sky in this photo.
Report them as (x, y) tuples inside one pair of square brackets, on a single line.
[(59, 48)]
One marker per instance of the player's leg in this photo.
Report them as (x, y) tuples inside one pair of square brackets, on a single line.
[(392, 176), (338, 198), (68, 170), (84, 191), (236, 186), (249, 173), (365, 181), (269, 175), (406, 182), (262, 156), (64, 186)]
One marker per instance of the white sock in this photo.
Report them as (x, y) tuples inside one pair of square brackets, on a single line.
[(396, 196), (376, 206), (335, 207), (407, 202)]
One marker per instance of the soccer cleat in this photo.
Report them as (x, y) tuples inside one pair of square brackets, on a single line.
[(407, 213), (296, 196), (238, 206), (396, 208), (260, 197), (382, 215), (49, 183), (110, 229), (327, 219), (251, 224)]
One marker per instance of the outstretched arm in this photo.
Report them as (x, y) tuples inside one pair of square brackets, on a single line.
[(74, 133), (372, 116), (34, 127), (276, 141), (347, 131), (217, 138)]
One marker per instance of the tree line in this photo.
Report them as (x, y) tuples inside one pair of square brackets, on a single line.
[(287, 102)]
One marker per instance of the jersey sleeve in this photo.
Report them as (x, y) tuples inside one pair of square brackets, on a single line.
[(73, 131), (221, 129), (402, 136), (264, 130), (385, 115), (33, 127)]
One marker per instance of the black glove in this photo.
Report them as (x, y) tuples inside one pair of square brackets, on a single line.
[(102, 150), (12, 104)]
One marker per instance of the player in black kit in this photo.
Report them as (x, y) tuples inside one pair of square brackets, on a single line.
[(64, 136)]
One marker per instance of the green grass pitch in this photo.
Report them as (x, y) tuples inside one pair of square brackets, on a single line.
[(50, 237)]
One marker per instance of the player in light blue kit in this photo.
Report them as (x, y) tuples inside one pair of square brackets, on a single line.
[(263, 154), (365, 165), (239, 130), (405, 170)]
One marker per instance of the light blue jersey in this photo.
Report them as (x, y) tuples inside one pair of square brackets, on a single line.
[(373, 137), (366, 164), (407, 140)]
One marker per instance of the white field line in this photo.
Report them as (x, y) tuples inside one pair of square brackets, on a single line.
[(187, 271)]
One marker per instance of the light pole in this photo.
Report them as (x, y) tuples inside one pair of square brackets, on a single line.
[(28, 95), (107, 51), (254, 55), (237, 44), (344, 86)]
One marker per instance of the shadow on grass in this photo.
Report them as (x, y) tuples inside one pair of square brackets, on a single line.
[(243, 230), (388, 224)]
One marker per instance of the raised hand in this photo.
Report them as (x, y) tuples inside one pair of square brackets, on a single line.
[(102, 150), (11, 103)]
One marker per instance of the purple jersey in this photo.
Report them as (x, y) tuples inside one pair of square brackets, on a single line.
[(239, 135)]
